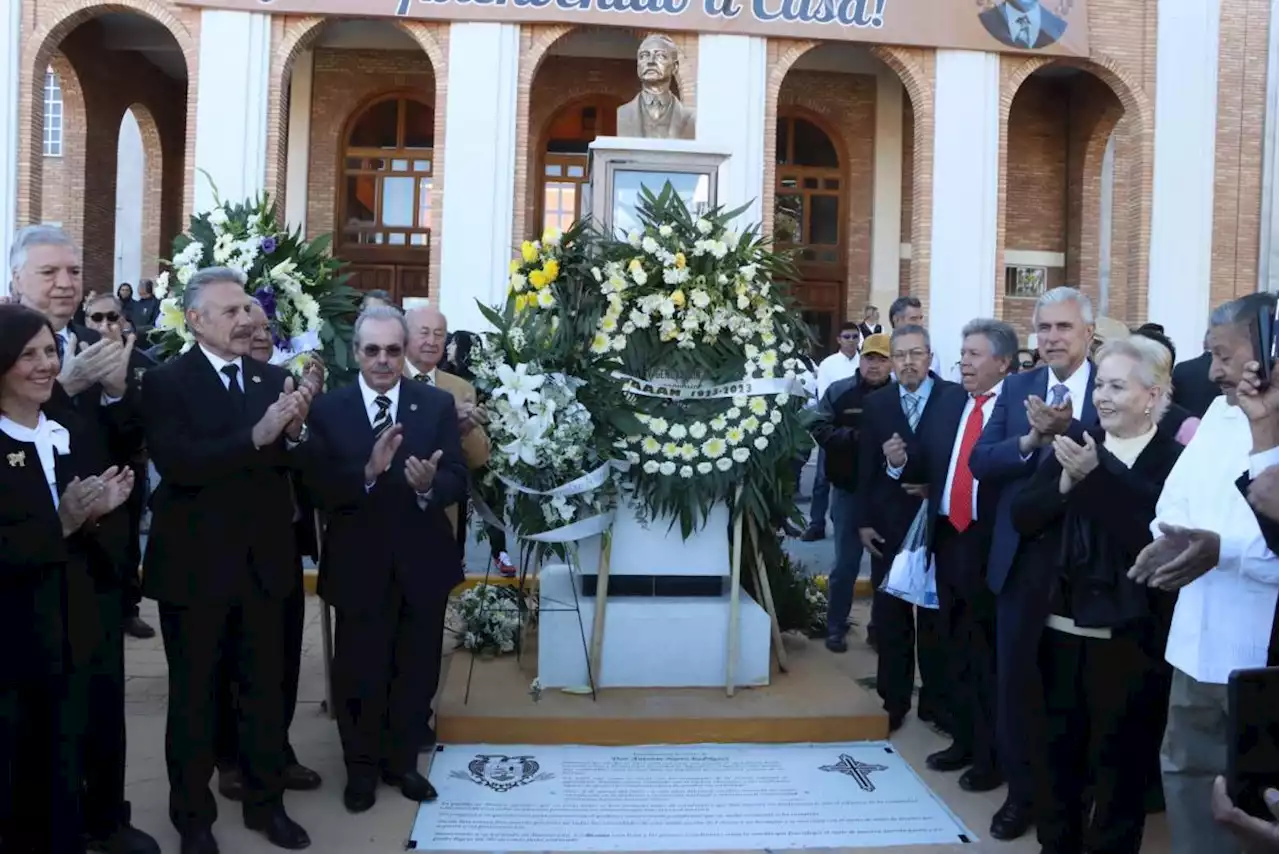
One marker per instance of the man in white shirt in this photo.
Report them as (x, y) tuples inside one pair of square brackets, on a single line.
[(1210, 549), (840, 365)]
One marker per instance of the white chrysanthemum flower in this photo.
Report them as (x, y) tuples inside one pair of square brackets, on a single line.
[(600, 343), (678, 431), (761, 443), (704, 468), (767, 429), (650, 467), (781, 399), (713, 447), (697, 430), (185, 274), (776, 416), (686, 471), (758, 406), (619, 343), (658, 426), (665, 230), (667, 469), (704, 226), (751, 424), (734, 413), (670, 449), (734, 436), (724, 464), (648, 244), (688, 452), (718, 424), (650, 445), (741, 455), (739, 400)]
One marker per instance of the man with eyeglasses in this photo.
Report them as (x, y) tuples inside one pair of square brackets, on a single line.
[(386, 460), (840, 365)]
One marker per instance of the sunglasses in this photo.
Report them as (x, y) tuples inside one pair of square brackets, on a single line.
[(108, 316), (371, 351), (848, 336)]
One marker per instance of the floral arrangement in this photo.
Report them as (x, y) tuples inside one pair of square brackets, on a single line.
[(487, 618), (555, 411), (298, 283), (815, 597)]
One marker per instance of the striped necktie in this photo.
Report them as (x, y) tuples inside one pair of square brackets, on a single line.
[(383, 419), (911, 408), (425, 378)]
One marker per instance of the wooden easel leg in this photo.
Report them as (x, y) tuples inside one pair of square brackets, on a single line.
[(595, 660), (766, 594), (735, 605)]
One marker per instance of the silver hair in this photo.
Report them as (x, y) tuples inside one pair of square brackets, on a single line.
[(1063, 294), (36, 235), (1152, 366), (92, 298), (379, 312), (193, 293), (1003, 337), (911, 329), (1241, 310)]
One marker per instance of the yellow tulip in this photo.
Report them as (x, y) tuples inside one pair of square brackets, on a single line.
[(522, 302), (538, 279), (551, 269), (528, 252), (680, 261), (677, 297)]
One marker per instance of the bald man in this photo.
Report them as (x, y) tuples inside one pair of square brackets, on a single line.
[(428, 331)]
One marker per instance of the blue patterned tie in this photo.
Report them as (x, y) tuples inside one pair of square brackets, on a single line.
[(911, 407), (1059, 393)]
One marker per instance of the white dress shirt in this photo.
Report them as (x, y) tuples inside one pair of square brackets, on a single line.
[(370, 395), (1223, 619), (219, 363), (1077, 386), (411, 371), (49, 437), (944, 506), (834, 368), (1013, 16)]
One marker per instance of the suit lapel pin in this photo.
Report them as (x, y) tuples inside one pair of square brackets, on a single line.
[(256, 378), (413, 407), (18, 460)]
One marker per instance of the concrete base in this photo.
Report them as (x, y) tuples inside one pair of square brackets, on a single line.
[(648, 643)]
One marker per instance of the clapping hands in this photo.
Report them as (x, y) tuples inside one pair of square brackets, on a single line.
[(421, 474), (1048, 420), (105, 361), (93, 497), (286, 415), (1177, 558)]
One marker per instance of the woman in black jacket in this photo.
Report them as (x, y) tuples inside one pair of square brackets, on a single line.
[(1083, 517), (53, 489)]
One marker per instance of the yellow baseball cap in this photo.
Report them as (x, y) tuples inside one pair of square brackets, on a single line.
[(877, 344)]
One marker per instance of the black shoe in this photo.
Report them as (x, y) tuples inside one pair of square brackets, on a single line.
[(360, 794), (871, 637), (300, 778), (126, 839), (138, 628), (837, 643), (280, 830), (953, 758), (1011, 821), (199, 842), (813, 533), (791, 530), (896, 720), (978, 779), (413, 785), (231, 784)]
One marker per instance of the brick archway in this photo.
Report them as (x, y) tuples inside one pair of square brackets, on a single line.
[(48, 35), (914, 67), (1132, 122), (154, 246), (292, 36), (536, 42)]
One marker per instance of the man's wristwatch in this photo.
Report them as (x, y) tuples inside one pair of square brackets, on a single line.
[(303, 434)]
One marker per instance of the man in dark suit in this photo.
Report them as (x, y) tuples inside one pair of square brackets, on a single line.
[(98, 380), (389, 461), (296, 777), (1032, 408), (1025, 24), (221, 556), (898, 423), (1192, 388), (959, 541), (870, 324)]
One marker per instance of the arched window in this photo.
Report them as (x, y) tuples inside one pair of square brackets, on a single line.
[(385, 182), (565, 158), (809, 218), (387, 170), (52, 114)]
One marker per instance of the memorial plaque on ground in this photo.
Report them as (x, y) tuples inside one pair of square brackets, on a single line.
[(679, 798)]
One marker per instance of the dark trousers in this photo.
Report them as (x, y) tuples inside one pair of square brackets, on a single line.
[(1021, 609), (39, 770), (386, 667), (901, 628), (96, 709), (967, 624), (227, 735), (1097, 716), (250, 629), (135, 507)]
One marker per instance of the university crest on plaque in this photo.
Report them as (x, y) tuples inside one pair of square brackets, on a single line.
[(502, 773)]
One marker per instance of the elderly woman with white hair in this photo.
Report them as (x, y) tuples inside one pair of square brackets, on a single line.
[(1086, 514)]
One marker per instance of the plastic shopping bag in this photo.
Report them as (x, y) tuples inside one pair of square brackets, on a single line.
[(912, 577)]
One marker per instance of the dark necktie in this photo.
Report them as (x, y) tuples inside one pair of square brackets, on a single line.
[(61, 340), (233, 387), (382, 420), (425, 378)]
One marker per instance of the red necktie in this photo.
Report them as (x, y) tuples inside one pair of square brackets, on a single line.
[(961, 514)]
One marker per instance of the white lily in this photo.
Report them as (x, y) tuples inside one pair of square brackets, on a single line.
[(518, 386)]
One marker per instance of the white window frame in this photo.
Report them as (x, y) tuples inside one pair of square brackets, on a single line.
[(53, 114)]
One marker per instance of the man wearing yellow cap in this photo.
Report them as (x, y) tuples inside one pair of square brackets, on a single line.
[(836, 431)]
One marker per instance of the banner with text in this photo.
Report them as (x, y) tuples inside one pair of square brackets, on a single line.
[(1055, 27)]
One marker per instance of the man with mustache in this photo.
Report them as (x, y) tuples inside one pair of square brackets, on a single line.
[(1033, 407), (221, 560), (297, 777), (656, 112), (386, 462)]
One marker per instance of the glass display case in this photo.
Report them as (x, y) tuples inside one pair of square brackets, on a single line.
[(620, 167)]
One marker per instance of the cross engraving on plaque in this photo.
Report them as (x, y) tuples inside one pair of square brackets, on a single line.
[(859, 771)]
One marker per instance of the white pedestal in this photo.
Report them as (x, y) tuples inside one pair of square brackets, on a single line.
[(662, 642), (657, 548)]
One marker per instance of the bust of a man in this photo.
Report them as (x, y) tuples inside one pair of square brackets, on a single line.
[(656, 113)]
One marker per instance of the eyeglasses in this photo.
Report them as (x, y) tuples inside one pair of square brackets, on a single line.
[(372, 351), (108, 316), (914, 355)]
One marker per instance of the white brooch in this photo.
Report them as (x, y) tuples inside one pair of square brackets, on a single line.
[(256, 378), (18, 460)]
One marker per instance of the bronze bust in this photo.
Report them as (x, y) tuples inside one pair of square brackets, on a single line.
[(656, 113)]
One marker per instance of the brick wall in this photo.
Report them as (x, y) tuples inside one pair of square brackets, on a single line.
[(63, 177), (344, 81), (908, 176)]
